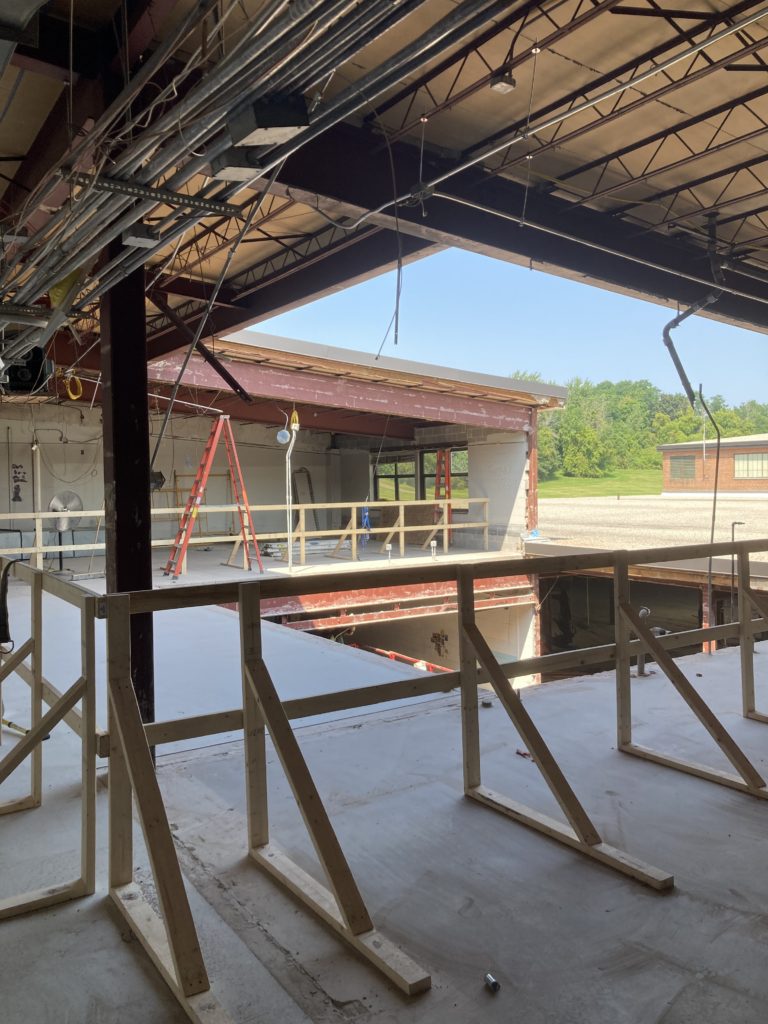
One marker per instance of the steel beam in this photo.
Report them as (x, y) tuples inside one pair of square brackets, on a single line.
[(348, 393), (578, 241), (354, 259), (191, 288), (376, 597), (395, 614), (125, 414), (50, 54)]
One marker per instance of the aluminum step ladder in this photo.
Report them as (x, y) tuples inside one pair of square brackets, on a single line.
[(220, 426)]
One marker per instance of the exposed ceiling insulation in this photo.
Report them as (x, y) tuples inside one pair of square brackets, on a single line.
[(621, 144)]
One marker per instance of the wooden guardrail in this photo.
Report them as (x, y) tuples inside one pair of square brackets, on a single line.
[(352, 531), (171, 939)]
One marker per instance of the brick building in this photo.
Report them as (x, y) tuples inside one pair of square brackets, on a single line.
[(689, 468)]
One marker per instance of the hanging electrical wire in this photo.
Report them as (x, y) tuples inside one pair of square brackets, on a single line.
[(675, 322), (210, 304)]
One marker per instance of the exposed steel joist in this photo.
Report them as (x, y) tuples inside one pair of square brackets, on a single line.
[(665, 133), (578, 20), (678, 165), (351, 260), (612, 76), (704, 179)]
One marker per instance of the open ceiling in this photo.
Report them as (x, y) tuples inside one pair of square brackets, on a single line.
[(620, 143)]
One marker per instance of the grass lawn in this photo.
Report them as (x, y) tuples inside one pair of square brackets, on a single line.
[(623, 482)]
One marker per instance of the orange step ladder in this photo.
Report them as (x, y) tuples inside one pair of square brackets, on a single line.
[(443, 483), (178, 552)]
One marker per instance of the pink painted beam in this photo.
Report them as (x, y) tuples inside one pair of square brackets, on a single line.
[(309, 388), (275, 606), (394, 614)]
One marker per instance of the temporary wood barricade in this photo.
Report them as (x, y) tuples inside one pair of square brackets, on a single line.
[(61, 707), (170, 937)]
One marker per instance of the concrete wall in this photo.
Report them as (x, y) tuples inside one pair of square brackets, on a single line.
[(435, 638), (263, 464), (71, 447), (497, 470), (71, 459)]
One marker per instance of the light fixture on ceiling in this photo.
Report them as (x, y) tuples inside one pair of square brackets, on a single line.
[(270, 122), (503, 82), (141, 236), (238, 163)]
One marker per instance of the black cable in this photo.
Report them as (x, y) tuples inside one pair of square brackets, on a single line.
[(712, 420), (5, 629)]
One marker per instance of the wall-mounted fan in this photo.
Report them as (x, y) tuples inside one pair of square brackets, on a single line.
[(68, 504)]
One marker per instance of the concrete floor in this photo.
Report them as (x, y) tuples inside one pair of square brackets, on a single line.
[(649, 521), (462, 889), (207, 564)]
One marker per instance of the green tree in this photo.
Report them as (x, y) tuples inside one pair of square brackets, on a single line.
[(619, 425)]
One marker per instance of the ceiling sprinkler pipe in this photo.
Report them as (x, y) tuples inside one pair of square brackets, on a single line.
[(143, 75), (231, 67), (165, 159), (139, 81)]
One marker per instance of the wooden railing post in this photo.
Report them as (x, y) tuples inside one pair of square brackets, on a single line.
[(401, 521), (355, 510), (37, 683), (446, 519), (88, 740), (746, 634), (302, 536), (254, 731), (36, 560), (470, 726), (623, 637), (120, 795)]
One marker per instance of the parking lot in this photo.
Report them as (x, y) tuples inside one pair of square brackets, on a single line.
[(639, 522)]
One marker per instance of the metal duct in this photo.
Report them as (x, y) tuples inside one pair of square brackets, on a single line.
[(15, 15)]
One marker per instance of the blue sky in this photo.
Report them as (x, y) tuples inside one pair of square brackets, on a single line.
[(472, 312)]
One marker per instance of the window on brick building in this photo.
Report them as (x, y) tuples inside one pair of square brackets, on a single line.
[(751, 466), (682, 467)]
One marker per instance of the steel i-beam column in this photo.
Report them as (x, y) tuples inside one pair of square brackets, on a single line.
[(126, 465)]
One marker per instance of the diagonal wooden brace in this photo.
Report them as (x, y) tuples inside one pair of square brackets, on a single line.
[(694, 700), (177, 916), (540, 752), (40, 730), (310, 804)]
